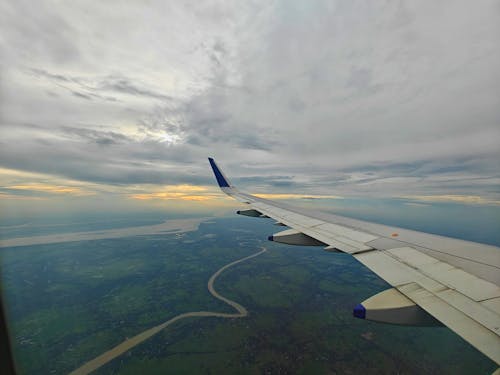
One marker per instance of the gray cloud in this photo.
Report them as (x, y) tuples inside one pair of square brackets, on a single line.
[(96, 136), (99, 86), (80, 95), (124, 85), (39, 34), (54, 77), (347, 98)]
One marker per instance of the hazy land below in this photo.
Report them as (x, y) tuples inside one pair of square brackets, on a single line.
[(68, 302)]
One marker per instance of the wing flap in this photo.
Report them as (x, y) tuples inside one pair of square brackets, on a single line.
[(454, 278), (469, 329), (463, 316)]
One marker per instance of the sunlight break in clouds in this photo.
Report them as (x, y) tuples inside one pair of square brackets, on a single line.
[(171, 196), (178, 192)]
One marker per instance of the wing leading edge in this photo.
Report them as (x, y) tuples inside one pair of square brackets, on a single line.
[(435, 279)]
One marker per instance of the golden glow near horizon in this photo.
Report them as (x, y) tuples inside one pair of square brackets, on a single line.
[(21, 185), (53, 189), (29, 184), (176, 192), (170, 196)]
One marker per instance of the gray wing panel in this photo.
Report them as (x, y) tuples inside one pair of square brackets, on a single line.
[(466, 303), (455, 281), (477, 259)]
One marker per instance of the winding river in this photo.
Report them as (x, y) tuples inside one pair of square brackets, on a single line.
[(128, 344)]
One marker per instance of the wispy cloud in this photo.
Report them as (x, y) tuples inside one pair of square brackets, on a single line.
[(296, 196), (372, 103), (92, 86), (14, 197), (468, 199), (414, 204)]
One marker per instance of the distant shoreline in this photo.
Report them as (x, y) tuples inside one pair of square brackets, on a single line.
[(168, 226)]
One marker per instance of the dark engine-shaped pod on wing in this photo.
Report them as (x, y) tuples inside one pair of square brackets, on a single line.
[(391, 306), (294, 237), (252, 213)]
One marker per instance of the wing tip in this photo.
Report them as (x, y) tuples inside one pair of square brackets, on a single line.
[(219, 176)]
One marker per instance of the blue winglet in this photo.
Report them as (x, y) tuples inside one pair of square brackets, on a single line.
[(221, 179)]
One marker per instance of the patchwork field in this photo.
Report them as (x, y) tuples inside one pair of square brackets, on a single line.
[(69, 302)]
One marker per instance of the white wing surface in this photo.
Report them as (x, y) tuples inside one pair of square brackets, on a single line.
[(435, 279)]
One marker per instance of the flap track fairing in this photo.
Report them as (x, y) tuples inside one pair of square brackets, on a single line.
[(251, 213), (293, 237), (391, 306)]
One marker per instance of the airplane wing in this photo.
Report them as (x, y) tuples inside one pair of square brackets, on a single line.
[(435, 280)]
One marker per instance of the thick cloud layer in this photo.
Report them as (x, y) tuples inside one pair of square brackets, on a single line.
[(350, 97)]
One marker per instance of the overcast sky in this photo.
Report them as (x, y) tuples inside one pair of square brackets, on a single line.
[(370, 98)]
